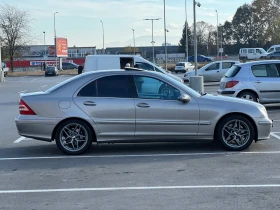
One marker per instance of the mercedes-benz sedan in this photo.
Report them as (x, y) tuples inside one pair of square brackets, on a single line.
[(136, 106)]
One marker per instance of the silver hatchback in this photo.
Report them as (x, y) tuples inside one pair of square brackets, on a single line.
[(257, 81), (136, 106)]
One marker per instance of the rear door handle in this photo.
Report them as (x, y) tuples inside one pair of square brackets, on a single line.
[(258, 82), (143, 105), (89, 103)]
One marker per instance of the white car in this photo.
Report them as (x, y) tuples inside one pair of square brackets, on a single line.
[(252, 53), (183, 67), (212, 72)]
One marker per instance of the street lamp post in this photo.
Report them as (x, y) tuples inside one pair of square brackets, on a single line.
[(45, 50), (217, 34), (196, 82), (186, 25), (165, 44), (55, 38), (133, 41), (152, 19), (103, 50)]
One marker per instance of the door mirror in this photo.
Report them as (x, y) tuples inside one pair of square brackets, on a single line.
[(184, 98)]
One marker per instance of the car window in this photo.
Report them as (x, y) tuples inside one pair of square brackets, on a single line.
[(270, 50), (233, 71), (251, 50), (118, 86), (145, 66), (265, 70), (258, 51), (227, 65), (152, 88), (244, 51), (214, 66), (277, 48), (180, 64)]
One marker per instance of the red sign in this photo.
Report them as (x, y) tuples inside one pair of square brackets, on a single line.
[(61, 47)]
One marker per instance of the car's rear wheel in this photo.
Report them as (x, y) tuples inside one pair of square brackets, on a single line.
[(248, 96), (235, 132), (74, 137)]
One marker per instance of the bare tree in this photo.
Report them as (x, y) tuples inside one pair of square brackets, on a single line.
[(15, 25)]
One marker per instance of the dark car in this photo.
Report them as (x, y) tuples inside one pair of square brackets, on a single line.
[(67, 66), (200, 58), (274, 55)]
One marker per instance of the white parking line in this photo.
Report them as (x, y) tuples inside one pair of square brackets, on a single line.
[(44, 86), (140, 188), (274, 134), (19, 139), (22, 91)]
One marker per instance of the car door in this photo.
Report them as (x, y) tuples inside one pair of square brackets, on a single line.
[(109, 102), (160, 113), (212, 72), (251, 54), (266, 79)]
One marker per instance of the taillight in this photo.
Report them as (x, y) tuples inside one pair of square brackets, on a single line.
[(24, 109), (231, 84)]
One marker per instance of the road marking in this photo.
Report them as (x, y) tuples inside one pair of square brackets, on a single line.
[(139, 155), (32, 80), (19, 139), (275, 135), (140, 188), (44, 86), (22, 91)]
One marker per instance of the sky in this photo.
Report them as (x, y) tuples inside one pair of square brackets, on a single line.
[(79, 20)]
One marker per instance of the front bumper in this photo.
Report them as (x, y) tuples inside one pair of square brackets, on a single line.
[(264, 126)]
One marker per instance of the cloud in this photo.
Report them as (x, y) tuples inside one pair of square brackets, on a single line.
[(174, 26)]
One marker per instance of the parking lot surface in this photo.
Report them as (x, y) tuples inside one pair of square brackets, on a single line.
[(196, 175)]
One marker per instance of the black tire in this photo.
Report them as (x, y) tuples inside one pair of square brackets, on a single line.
[(72, 134), (229, 136), (248, 96)]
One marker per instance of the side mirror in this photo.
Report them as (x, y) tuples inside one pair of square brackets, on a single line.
[(184, 98)]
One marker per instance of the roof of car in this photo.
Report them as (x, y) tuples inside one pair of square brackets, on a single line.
[(259, 62)]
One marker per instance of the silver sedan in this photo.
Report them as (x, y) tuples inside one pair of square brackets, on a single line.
[(136, 106)]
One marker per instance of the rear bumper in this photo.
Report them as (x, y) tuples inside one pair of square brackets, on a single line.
[(226, 92), (40, 129)]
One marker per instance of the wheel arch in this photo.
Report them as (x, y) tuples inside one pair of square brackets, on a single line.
[(249, 90), (74, 118), (240, 114)]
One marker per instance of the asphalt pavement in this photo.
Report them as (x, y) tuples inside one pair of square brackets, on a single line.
[(36, 175)]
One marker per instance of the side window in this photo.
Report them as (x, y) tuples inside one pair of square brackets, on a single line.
[(259, 71), (244, 51), (270, 50), (268, 70), (214, 66), (272, 70), (277, 48), (251, 50), (151, 88), (118, 86), (258, 51), (227, 65), (145, 66)]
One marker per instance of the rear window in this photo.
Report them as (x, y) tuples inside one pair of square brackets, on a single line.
[(233, 71), (180, 64)]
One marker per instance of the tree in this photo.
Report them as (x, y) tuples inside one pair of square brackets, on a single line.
[(130, 49), (182, 42), (15, 25)]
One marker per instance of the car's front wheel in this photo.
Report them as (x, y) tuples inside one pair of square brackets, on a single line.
[(74, 137), (235, 132)]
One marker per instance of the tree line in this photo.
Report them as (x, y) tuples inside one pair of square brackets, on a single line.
[(253, 25)]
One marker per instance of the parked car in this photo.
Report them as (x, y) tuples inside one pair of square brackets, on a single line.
[(274, 48), (252, 53), (51, 70), (183, 67), (257, 81), (273, 55), (213, 71), (200, 58), (106, 62), (136, 106), (67, 66)]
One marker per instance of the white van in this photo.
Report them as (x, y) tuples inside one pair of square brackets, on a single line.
[(274, 48), (252, 53), (106, 62)]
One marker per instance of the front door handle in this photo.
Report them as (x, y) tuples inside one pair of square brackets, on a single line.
[(258, 82), (143, 105), (89, 103)]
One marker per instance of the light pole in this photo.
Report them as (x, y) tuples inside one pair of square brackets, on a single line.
[(221, 30), (103, 50), (196, 82), (152, 19), (45, 49), (133, 41), (186, 25), (165, 37), (217, 34), (55, 38)]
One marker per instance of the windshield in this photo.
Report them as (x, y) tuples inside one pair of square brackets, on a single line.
[(262, 50), (50, 68), (180, 64)]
